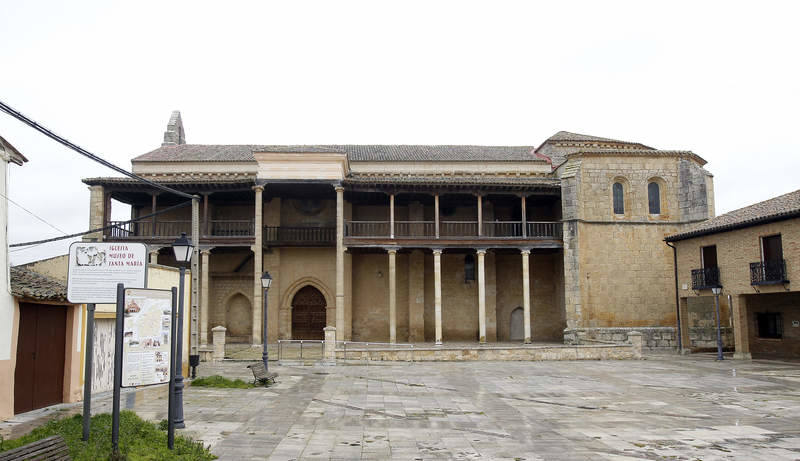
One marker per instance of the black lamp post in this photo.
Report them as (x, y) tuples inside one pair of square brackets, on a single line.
[(716, 292), (266, 281), (183, 256)]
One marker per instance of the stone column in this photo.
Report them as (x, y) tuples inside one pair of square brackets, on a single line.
[(340, 329), (154, 221), (218, 333), (258, 265), (526, 295), (194, 313), (392, 295), (391, 216), (480, 215), (741, 333), (481, 296), (97, 212), (524, 217), (154, 255), (436, 213), (437, 293), (204, 287)]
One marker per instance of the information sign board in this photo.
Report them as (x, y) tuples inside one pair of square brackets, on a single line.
[(95, 269), (146, 337)]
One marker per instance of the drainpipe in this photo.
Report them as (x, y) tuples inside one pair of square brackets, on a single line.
[(677, 299)]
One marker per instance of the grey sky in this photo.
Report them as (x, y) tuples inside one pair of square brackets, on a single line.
[(718, 78)]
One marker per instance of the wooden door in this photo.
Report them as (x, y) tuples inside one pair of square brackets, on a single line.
[(709, 256), (773, 249), (308, 314), (39, 373)]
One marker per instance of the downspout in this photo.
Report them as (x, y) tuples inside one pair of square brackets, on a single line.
[(677, 299)]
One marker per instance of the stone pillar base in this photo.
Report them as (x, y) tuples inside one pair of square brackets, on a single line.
[(742, 356), (330, 346), (218, 336)]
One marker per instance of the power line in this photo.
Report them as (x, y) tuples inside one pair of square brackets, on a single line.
[(100, 229), (32, 214), (19, 116)]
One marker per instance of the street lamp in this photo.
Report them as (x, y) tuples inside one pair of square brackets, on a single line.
[(716, 292), (266, 281), (183, 256)]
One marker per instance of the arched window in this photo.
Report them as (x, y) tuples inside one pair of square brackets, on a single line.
[(469, 268), (619, 198), (654, 198)]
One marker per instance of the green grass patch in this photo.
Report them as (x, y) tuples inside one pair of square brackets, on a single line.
[(222, 382), (139, 440)]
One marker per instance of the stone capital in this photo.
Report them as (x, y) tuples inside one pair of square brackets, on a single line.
[(525, 251), (480, 251), (391, 251), (437, 251), (206, 251), (258, 188)]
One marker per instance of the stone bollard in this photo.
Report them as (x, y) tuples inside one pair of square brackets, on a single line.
[(218, 336), (580, 338), (635, 339), (330, 344)]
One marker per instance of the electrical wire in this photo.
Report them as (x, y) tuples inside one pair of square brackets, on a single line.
[(100, 229), (41, 129), (32, 213)]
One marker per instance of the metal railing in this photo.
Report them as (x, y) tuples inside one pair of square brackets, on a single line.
[(360, 347), (231, 228), (454, 229), (292, 349), (299, 234), (768, 272), (174, 228), (705, 278)]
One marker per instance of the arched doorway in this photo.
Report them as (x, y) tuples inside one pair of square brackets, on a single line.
[(516, 328), (238, 319), (308, 314)]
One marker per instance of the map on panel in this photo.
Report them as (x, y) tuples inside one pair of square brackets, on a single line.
[(146, 337)]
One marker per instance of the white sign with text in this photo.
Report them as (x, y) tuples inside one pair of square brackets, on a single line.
[(145, 347), (95, 269)]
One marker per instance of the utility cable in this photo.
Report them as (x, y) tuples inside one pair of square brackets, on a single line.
[(32, 213), (19, 116), (100, 229)]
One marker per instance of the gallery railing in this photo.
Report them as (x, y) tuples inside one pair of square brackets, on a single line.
[(768, 272), (703, 279), (299, 235), (454, 229), (174, 228)]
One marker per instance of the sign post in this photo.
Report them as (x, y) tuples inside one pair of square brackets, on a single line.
[(94, 271), (117, 370)]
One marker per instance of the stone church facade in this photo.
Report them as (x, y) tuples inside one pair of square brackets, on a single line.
[(410, 243)]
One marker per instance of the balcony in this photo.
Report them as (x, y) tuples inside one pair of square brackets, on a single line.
[(299, 236), (768, 272), (704, 279), (166, 229), (454, 230)]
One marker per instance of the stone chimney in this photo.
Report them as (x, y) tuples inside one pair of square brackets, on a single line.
[(174, 134)]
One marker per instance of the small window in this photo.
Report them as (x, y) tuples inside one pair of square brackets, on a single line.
[(654, 198), (469, 268), (619, 198), (769, 325)]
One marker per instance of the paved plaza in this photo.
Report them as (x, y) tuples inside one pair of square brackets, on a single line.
[(662, 408)]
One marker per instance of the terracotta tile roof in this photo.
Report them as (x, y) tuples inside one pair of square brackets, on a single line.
[(647, 152), (356, 153), (32, 285), (786, 206), (452, 179), (563, 143), (566, 136)]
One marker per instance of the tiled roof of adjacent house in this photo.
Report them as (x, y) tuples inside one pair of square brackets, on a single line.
[(355, 152), (786, 206), (32, 285)]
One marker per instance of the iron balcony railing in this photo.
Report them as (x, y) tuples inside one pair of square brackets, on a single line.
[(768, 272), (299, 235), (454, 229), (703, 279), (174, 228)]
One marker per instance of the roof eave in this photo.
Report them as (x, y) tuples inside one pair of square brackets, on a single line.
[(735, 226)]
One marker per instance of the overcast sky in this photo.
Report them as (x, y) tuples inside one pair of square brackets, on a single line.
[(719, 78)]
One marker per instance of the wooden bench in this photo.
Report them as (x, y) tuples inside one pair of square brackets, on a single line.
[(260, 374), (51, 448)]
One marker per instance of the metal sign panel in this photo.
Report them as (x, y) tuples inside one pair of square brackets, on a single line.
[(146, 337), (95, 269)]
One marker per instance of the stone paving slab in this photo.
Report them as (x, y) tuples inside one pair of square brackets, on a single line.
[(664, 408)]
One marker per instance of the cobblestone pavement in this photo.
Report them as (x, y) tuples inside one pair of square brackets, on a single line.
[(663, 408)]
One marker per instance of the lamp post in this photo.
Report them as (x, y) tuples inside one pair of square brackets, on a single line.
[(716, 292), (183, 256), (266, 281)]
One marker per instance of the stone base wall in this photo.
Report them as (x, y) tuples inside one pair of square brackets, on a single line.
[(529, 353), (653, 338)]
